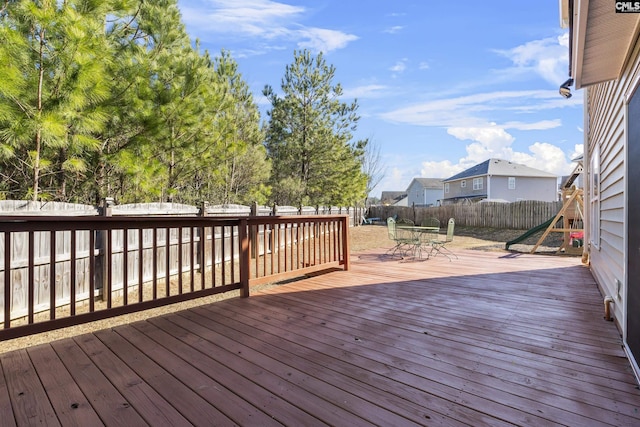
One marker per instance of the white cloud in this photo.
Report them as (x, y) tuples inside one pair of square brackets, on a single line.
[(541, 155), (470, 110), (264, 20), (367, 91), (494, 138), (495, 142), (423, 65), (322, 40), (546, 157), (443, 169), (548, 58), (399, 66), (541, 125), (397, 179), (550, 103), (394, 29)]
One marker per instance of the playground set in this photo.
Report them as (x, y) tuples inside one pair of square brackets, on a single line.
[(569, 220)]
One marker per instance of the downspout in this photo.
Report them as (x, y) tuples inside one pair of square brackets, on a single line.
[(608, 301)]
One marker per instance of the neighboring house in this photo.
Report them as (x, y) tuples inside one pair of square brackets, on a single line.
[(605, 61), (391, 198), (424, 192), (402, 201), (500, 180)]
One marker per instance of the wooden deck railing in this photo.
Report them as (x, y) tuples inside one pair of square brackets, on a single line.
[(61, 271)]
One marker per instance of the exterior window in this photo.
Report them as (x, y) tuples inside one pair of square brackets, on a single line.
[(463, 183), (477, 183), (446, 187), (512, 183), (594, 187)]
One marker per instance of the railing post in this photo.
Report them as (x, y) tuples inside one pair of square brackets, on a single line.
[(103, 245), (202, 258), (244, 258), (345, 242), (253, 232)]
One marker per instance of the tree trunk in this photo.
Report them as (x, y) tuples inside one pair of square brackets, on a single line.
[(38, 148)]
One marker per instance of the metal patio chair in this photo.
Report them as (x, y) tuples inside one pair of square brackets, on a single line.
[(438, 246), (405, 241)]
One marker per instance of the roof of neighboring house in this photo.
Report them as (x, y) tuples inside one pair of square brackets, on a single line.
[(429, 183), (392, 195), (401, 201), (499, 167), (467, 197)]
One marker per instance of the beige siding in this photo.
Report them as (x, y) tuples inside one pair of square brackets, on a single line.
[(605, 108), (456, 190)]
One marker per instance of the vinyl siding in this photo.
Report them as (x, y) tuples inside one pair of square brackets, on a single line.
[(455, 189), (420, 196), (527, 188), (605, 111)]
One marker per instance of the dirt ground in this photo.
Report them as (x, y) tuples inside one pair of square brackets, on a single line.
[(488, 239), (362, 238)]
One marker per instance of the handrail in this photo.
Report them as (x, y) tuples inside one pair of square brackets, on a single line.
[(61, 271)]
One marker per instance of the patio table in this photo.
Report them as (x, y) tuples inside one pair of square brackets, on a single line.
[(420, 236)]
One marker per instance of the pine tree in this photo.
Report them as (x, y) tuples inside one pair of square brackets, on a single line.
[(110, 98), (308, 137), (243, 171), (51, 59)]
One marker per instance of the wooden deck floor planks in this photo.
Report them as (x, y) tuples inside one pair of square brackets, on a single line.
[(489, 339), (436, 366)]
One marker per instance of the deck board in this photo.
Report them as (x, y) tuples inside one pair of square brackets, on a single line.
[(166, 373), (151, 405), (491, 339), (28, 397), (70, 404), (111, 406), (6, 410)]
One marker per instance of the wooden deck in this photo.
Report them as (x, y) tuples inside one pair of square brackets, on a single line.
[(489, 339)]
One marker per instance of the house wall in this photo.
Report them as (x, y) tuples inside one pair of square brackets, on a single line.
[(527, 188), (456, 190), (433, 196), (415, 193), (420, 196), (605, 117)]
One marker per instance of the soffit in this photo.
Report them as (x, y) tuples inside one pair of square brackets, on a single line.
[(601, 40)]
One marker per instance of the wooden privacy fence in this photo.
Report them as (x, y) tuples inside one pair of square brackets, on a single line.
[(60, 271), (521, 215)]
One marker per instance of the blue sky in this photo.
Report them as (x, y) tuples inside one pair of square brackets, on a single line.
[(441, 85)]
